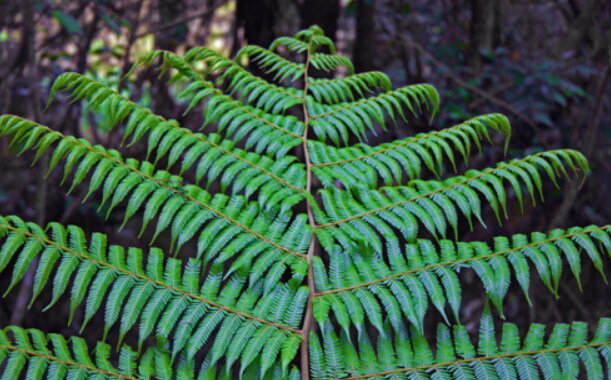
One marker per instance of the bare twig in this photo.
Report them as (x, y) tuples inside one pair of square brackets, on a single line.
[(130, 43), (23, 295), (576, 300), (86, 42), (479, 100), (587, 148), (5, 104), (206, 11), (445, 70)]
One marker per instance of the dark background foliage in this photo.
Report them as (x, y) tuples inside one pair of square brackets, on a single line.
[(545, 64)]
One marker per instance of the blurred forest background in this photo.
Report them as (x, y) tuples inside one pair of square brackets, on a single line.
[(543, 63)]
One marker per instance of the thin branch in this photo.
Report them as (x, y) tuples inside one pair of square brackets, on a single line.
[(445, 70), (201, 13), (130, 43), (587, 148)]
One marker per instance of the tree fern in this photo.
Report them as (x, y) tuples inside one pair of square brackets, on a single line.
[(310, 243)]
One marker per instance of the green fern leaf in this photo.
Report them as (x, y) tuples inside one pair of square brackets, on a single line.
[(294, 238)]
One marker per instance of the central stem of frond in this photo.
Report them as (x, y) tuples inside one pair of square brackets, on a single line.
[(308, 318)]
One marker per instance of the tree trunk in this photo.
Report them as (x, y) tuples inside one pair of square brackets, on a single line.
[(323, 13), (168, 39), (481, 32), (265, 20), (365, 45), (499, 12), (169, 10)]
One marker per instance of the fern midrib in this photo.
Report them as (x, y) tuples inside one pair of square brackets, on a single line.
[(363, 101), (334, 80), (187, 131), (228, 152), (461, 261), (67, 362), (482, 174), (308, 316), (261, 50), (264, 82), (231, 100), (177, 192), (251, 76), (389, 148), (146, 279), (245, 110), (276, 88), (471, 360)]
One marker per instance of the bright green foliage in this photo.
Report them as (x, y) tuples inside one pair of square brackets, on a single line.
[(148, 290), (37, 355), (293, 192), (388, 162), (407, 354), (359, 285)]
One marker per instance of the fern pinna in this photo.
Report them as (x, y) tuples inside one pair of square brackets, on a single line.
[(310, 243)]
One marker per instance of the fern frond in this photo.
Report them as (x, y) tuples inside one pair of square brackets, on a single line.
[(253, 90), (239, 308), (283, 70), (434, 204), (219, 104), (456, 356), (36, 355), (349, 88), (237, 169), (427, 272), (388, 162), (220, 371), (263, 131), (229, 225), (330, 62), (155, 293), (316, 38), (336, 122), (292, 44)]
